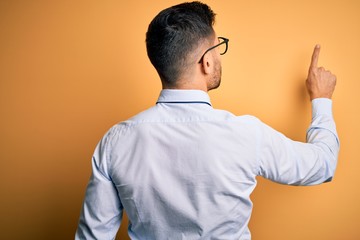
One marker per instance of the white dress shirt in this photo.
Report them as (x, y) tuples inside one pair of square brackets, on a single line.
[(184, 170)]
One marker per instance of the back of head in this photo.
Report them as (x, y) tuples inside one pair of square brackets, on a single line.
[(173, 34)]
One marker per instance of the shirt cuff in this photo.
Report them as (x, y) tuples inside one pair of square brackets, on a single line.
[(321, 106)]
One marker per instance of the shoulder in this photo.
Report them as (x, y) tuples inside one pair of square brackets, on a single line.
[(226, 115), (122, 127)]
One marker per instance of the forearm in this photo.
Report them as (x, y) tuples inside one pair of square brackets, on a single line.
[(322, 133)]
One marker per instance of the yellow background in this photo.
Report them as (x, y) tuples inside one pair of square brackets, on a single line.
[(69, 70)]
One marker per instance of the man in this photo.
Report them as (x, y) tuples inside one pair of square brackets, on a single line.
[(184, 170)]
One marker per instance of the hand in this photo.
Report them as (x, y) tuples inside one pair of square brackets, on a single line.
[(320, 82)]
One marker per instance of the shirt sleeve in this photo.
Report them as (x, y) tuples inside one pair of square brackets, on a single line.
[(291, 162), (102, 211)]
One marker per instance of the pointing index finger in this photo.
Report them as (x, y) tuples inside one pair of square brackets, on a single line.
[(315, 57)]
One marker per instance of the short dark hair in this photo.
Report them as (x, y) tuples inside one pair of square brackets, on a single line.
[(174, 33)]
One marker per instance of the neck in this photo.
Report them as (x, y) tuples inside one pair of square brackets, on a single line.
[(192, 83)]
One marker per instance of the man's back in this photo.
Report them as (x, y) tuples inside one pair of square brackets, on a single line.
[(188, 167)]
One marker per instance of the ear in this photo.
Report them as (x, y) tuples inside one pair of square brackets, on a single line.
[(207, 64)]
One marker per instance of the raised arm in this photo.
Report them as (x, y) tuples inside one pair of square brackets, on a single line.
[(290, 162)]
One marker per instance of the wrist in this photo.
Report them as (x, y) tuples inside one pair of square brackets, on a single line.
[(321, 106), (315, 96)]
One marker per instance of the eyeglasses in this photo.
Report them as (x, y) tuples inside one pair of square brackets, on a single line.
[(223, 44)]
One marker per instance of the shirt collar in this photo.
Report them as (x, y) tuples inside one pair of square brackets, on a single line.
[(183, 96)]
